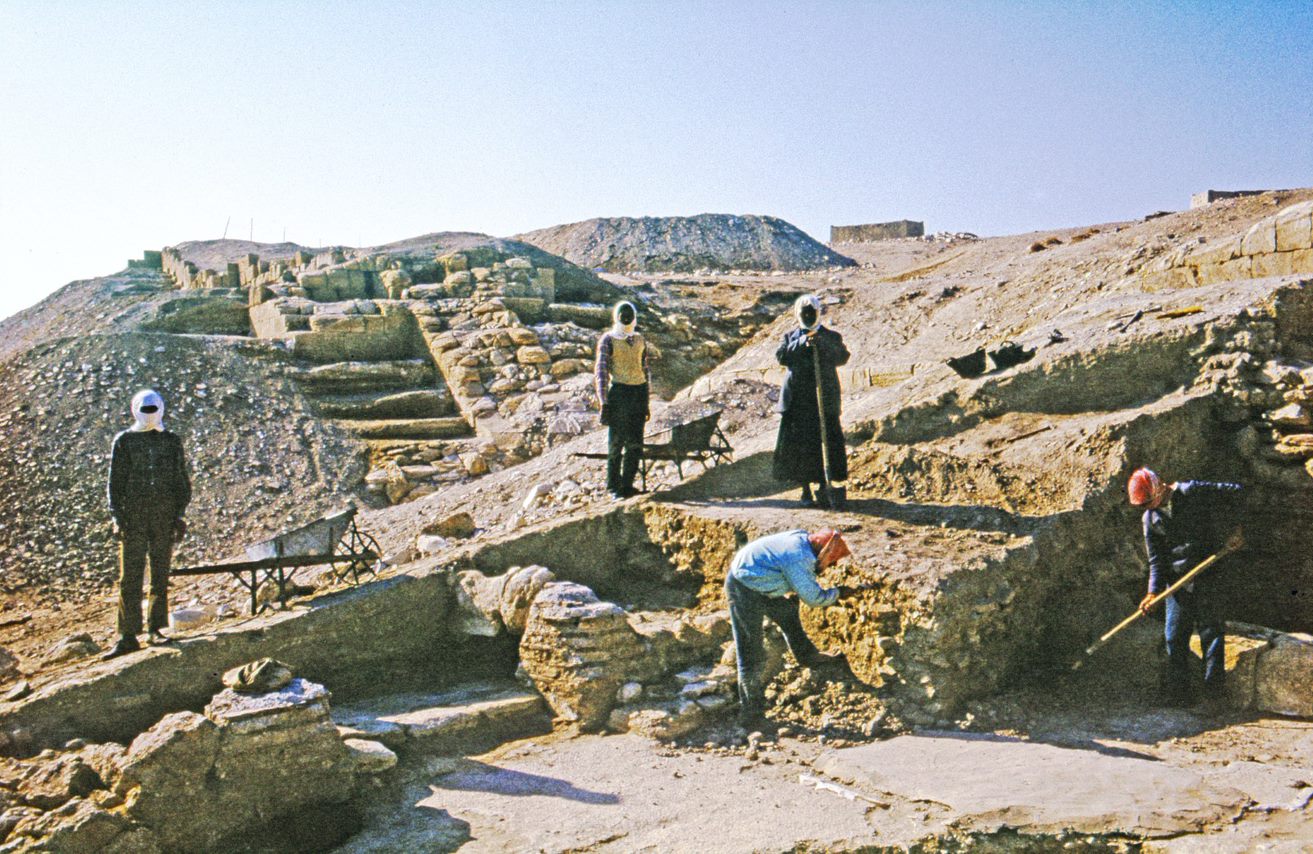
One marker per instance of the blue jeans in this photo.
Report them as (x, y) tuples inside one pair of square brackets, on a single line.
[(747, 607), (1189, 612)]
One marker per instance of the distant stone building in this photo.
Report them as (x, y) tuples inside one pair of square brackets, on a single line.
[(876, 231), (1207, 197)]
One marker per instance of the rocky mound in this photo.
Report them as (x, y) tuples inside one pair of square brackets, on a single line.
[(259, 458), (686, 243)]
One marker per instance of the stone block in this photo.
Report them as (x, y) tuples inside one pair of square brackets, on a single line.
[(1208, 274), (454, 262), (1294, 227), (1283, 681), (521, 336), (474, 464), (1298, 446), (347, 284), (567, 367), (1273, 264), (1164, 280), (1302, 260), (1219, 253), (458, 525), (425, 292), (521, 587), (343, 323), (1261, 238), (1291, 416), (369, 757), (443, 343), (1237, 268), (394, 282), (532, 356), (519, 264), (478, 604), (528, 309)]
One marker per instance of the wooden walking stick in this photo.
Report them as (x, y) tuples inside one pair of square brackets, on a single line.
[(825, 436), (1181, 582)]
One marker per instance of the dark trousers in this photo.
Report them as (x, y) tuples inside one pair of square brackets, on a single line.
[(747, 607), (1189, 612), (153, 539), (626, 416)]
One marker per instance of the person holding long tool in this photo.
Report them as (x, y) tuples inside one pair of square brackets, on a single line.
[(809, 447), (770, 577), (1184, 523)]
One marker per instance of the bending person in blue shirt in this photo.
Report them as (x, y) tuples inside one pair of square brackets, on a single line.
[(760, 579), (1184, 523)]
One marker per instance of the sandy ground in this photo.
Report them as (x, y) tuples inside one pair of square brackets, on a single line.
[(1176, 779)]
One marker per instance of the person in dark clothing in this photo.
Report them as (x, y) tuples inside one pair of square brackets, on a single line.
[(148, 494), (770, 577), (1184, 523), (623, 373), (798, 456)]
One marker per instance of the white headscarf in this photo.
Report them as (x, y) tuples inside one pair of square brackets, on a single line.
[(623, 330), (147, 420), (805, 300)]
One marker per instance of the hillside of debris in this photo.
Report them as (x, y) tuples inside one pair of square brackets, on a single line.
[(686, 244)]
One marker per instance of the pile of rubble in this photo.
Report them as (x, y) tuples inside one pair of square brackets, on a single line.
[(192, 782)]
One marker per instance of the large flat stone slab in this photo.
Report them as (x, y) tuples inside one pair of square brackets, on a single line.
[(991, 781), (478, 713)]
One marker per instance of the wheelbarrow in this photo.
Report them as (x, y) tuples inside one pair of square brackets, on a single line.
[(334, 540)]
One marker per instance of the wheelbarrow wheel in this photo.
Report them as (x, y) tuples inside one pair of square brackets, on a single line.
[(356, 545)]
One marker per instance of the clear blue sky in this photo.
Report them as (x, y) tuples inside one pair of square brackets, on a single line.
[(132, 125)]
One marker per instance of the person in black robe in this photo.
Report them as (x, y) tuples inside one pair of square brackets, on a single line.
[(798, 456)]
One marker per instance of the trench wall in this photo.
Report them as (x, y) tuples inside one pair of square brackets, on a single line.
[(382, 637)]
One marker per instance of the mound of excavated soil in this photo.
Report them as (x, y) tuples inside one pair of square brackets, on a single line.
[(259, 460), (685, 244)]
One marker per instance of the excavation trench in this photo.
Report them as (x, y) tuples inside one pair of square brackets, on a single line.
[(994, 552)]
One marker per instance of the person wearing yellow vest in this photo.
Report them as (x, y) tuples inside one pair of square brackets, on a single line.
[(622, 379)]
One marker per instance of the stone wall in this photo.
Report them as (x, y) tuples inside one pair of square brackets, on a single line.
[(350, 330), (1207, 197), (876, 231), (391, 633), (1278, 245)]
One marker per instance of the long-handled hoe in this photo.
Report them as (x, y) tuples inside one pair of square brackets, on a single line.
[(1184, 580)]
